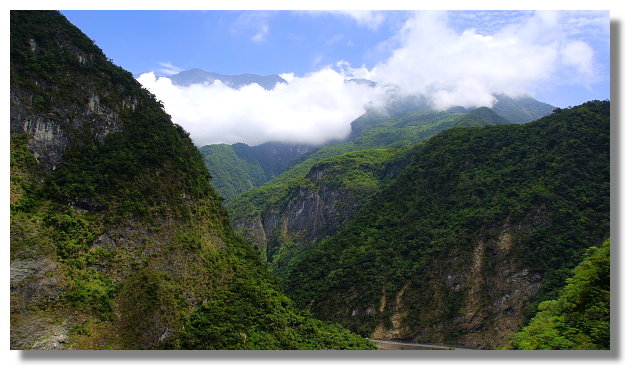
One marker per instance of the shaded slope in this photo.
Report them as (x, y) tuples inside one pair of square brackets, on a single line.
[(521, 110)]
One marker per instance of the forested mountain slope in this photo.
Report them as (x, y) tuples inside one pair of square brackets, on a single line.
[(325, 188), (118, 241), (479, 227), (522, 109), (402, 122)]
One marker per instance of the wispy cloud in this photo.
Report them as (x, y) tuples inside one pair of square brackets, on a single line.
[(371, 19), (256, 23), (168, 68), (262, 34)]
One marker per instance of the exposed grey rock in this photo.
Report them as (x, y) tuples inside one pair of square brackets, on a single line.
[(33, 281)]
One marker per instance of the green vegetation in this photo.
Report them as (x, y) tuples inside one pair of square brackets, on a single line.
[(547, 181), (232, 174), (119, 241), (580, 317), (123, 244), (117, 174), (42, 54), (356, 175), (24, 173), (521, 110), (370, 131), (254, 316), (239, 167), (379, 147), (255, 201), (357, 170)]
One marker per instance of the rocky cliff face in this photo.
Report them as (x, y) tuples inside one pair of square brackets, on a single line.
[(484, 307), (42, 75), (318, 205), (310, 213)]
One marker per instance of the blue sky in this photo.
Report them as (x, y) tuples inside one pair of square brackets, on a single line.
[(228, 42), (452, 58), (234, 42)]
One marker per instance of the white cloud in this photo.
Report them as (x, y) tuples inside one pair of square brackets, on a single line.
[(255, 23), (466, 68), (449, 64), (312, 109), (371, 19), (578, 55)]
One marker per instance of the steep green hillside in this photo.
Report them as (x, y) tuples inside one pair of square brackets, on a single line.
[(581, 316), (484, 223), (237, 168), (324, 199), (117, 239), (232, 174)]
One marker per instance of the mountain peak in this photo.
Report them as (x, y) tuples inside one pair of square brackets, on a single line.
[(521, 109)]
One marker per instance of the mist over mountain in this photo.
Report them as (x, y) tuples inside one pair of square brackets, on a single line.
[(239, 167), (427, 58)]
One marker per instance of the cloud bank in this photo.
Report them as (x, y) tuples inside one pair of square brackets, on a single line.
[(449, 66), (313, 109)]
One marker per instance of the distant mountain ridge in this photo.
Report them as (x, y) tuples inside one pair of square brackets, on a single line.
[(199, 76), (239, 167), (516, 110)]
